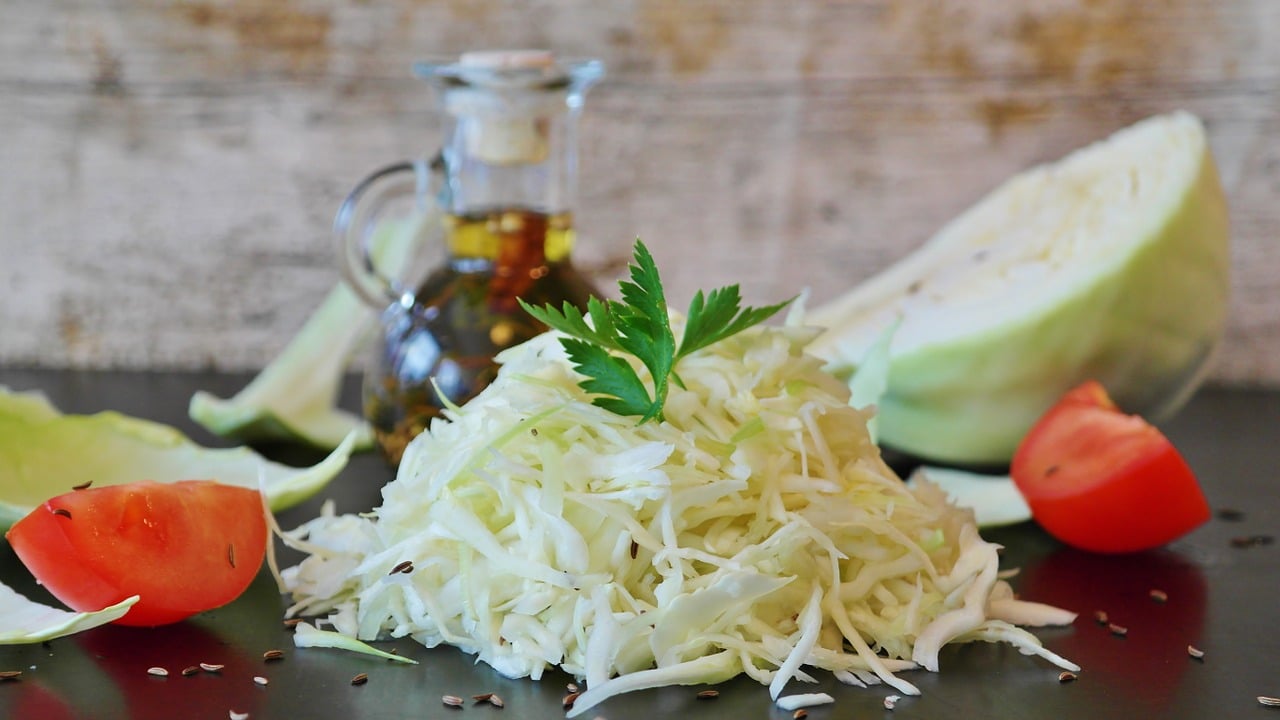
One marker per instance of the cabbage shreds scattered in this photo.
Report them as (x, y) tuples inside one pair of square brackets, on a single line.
[(755, 530)]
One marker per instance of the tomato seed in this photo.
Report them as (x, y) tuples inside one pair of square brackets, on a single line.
[(800, 714), (708, 695), (211, 667), (190, 670), (1159, 596), (891, 701), (1100, 617), (496, 701), (158, 672), (571, 687), (260, 680), (569, 700), (292, 622), (360, 679), (1268, 701), (1066, 676), (62, 512), (1195, 652), (1118, 630), (10, 674), (452, 701), (273, 655)]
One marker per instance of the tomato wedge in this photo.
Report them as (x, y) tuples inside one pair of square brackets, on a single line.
[(1104, 481), (182, 547)]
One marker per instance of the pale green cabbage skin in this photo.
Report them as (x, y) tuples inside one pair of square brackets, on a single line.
[(1137, 301), (44, 453), (755, 530)]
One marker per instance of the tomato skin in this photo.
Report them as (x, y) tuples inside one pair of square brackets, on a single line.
[(182, 547), (1101, 480)]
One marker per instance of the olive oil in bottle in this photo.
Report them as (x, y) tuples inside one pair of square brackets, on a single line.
[(467, 312)]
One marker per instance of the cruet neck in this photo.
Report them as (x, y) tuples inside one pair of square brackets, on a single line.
[(509, 75)]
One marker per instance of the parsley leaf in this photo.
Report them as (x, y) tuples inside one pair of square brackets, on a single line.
[(622, 392), (640, 325), (718, 316)]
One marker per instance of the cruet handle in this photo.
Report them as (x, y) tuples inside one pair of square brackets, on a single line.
[(381, 225)]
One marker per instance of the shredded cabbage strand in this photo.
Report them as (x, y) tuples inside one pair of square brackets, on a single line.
[(755, 530)]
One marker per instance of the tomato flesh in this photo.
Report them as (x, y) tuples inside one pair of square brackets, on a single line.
[(1104, 481), (182, 547)]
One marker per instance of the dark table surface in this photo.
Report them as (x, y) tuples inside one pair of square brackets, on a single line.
[(1221, 598)]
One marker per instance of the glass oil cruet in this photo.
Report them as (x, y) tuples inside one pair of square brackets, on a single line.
[(498, 197)]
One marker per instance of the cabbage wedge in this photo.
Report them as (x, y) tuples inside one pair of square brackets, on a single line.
[(1110, 264), (44, 452)]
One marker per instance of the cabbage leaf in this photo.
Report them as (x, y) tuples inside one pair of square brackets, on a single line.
[(295, 397), (994, 499), (25, 621), (44, 453)]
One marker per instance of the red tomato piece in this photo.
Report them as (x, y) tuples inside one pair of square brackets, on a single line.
[(182, 547), (1104, 481)]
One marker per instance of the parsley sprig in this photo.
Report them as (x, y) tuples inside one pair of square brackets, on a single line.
[(639, 325)]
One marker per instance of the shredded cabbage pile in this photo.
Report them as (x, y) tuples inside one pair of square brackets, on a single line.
[(754, 530)]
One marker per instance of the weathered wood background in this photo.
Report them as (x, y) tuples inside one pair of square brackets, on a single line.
[(169, 169)]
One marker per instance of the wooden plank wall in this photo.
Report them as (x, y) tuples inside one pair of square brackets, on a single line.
[(169, 169)]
